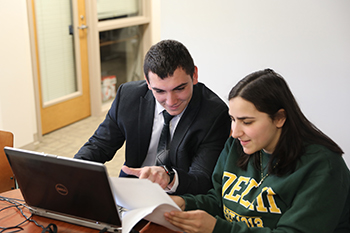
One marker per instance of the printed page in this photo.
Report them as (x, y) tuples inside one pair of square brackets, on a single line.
[(142, 199)]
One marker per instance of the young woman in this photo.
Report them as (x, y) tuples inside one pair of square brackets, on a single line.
[(277, 173)]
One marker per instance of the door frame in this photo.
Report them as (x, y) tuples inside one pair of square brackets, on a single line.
[(145, 19), (30, 9)]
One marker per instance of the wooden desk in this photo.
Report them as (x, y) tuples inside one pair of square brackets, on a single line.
[(11, 217)]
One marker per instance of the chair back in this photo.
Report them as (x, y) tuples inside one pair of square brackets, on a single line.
[(7, 180)]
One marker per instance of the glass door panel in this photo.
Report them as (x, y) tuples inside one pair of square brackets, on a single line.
[(115, 9), (121, 61), (55, 49)]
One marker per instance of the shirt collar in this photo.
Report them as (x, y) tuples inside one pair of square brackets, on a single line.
[(159, 108)]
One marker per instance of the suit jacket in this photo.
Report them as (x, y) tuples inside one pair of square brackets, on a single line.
[(197, 141)]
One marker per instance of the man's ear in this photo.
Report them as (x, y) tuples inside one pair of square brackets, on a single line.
[(195, 76), (280, 118), (149, 86)]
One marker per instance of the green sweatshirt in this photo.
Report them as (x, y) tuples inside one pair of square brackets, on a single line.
[(313, 199)]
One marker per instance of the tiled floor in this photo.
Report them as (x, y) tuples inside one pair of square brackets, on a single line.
[(68, 140)]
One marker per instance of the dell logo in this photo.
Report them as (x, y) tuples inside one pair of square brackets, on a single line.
[(61, 189)]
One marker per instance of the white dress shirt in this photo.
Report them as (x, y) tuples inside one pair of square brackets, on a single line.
[(158, 122)]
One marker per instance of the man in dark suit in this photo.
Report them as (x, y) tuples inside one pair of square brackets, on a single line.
[(199, 126)]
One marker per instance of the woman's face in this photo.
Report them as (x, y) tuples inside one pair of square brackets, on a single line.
[(255, 130)]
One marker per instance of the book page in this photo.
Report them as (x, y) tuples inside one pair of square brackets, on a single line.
[(142, 199)]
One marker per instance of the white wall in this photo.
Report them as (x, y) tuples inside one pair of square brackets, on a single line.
[(17, 109), (307, 42)]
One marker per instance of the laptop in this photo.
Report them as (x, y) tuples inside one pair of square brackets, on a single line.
[(66, 189)]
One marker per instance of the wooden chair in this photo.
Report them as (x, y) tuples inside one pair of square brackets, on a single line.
[(7, 180)]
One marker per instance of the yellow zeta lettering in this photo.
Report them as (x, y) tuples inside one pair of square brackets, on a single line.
[(273, 206), (236, 187), (230, 215), (233, 189), (231, 178), (251, 221), (260, 204), (244, 219), (246, 203), (258, 222)]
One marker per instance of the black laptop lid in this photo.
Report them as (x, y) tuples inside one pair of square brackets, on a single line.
[(70, 186)]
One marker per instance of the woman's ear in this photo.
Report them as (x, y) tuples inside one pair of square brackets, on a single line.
[(280, 118)]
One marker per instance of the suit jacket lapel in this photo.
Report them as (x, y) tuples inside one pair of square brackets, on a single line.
[(145, 119)]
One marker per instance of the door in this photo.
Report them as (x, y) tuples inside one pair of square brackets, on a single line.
[(62, 62)]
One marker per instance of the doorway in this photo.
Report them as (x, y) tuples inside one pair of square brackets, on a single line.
[(60, 34)]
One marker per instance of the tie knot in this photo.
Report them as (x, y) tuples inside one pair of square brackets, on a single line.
[(167, 117)]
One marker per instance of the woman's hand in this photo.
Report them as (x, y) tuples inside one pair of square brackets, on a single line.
[(179, 201), (192, 221)]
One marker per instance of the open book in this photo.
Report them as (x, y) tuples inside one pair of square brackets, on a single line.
[(142, 199)]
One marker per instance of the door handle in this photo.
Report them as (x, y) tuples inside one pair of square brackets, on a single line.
[(82, 27)]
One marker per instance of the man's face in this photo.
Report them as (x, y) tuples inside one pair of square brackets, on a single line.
[(173, 92)]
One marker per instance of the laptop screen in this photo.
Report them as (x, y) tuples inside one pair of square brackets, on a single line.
[(64, 185)]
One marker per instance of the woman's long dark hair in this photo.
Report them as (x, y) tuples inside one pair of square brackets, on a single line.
[(269, 92)]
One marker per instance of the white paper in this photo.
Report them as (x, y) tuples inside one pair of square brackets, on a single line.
[(143, 200)]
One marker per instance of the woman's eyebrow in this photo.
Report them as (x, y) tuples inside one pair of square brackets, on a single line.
[(245, 118), (242, 118)]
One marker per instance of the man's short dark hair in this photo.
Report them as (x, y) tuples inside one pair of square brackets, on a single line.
[(165, 57)]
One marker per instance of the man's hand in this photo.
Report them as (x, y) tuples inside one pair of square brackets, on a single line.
[(155, 174), (192, 221)]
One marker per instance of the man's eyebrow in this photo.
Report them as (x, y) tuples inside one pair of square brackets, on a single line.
[(177, 87), (157, 89), (181, 85)]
